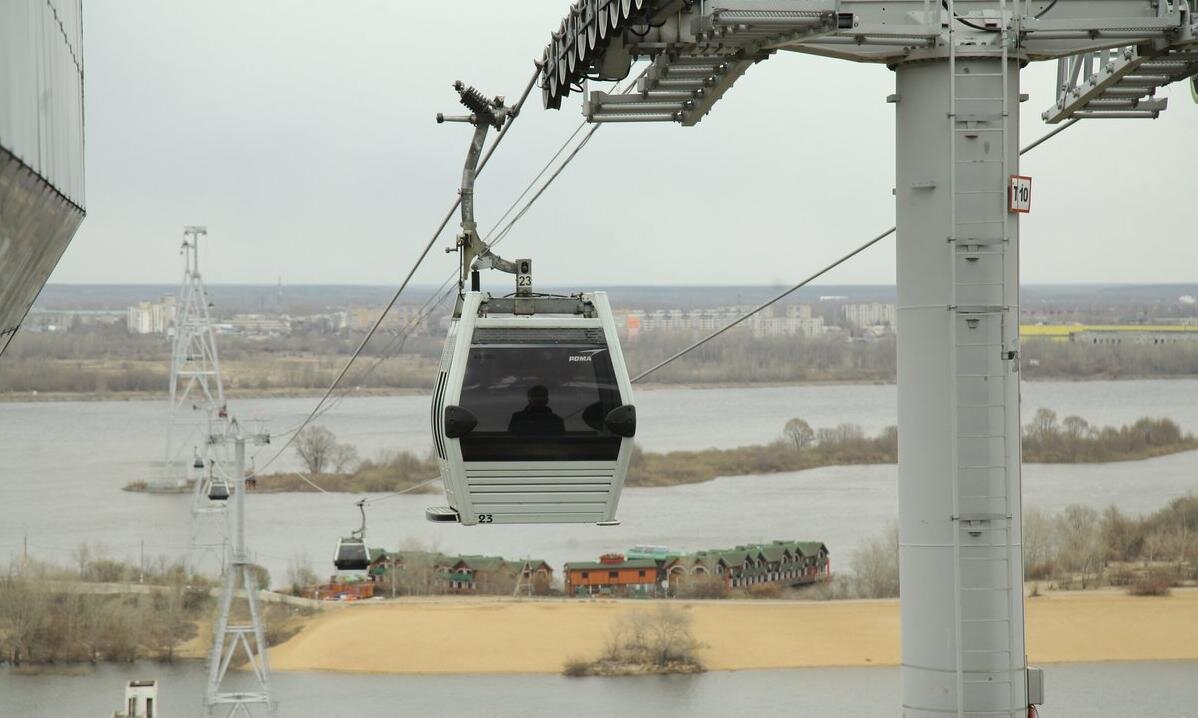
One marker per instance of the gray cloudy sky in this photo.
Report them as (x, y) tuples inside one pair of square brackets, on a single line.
[(302, 134)]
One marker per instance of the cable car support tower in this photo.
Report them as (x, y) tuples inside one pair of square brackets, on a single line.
[(246, 635), (958, 195), (198, 410)]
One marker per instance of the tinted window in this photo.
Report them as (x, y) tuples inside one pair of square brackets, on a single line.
[(539, 403)]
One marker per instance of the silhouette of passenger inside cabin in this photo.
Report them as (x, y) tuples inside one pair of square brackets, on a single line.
[(536, 419)]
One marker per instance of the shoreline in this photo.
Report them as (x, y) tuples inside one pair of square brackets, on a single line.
[(537, 636), (301, 393)]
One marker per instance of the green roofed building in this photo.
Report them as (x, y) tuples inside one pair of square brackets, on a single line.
[(423, 573), (783, 563)]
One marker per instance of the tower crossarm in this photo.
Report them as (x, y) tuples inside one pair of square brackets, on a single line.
[(1113, 53), (698, 49), (1119, 83)]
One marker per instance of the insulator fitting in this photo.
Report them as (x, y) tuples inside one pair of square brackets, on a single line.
[(482, 108)]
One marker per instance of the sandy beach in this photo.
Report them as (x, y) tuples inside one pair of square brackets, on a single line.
[(490, 635)]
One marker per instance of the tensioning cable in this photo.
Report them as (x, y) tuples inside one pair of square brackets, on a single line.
[(817, 275)]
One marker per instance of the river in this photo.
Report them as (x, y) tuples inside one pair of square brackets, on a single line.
[(64, 464), (1093, 690)]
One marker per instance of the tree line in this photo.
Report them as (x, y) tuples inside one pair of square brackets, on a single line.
[(108, 360)]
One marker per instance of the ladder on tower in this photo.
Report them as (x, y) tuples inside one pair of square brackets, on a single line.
[(983, 331)]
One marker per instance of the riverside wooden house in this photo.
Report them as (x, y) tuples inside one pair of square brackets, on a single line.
[(613, 575), (435, 573), (784, 563), (657, 571)]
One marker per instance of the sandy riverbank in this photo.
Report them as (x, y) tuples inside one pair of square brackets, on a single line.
[(507, 636)]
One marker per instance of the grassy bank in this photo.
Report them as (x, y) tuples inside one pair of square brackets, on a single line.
[(100, 610), (1045, 441)]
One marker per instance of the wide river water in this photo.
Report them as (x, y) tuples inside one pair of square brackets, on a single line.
[(64, 464), (1090, 690)]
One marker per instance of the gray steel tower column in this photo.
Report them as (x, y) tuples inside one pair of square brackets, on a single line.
[(958, 398)]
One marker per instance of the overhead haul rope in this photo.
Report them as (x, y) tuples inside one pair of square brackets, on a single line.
[(817, 275), (419, 260), (394, 346), (320, 408)]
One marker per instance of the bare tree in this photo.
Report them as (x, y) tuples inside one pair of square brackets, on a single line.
[(315, 446), (344, 458), (1080, 534), (876, 565), (799, 432), (659, 637), (1044, 424), (1076, 427), (1039, 542)]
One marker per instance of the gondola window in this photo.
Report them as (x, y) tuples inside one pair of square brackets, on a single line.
[(540, 403)]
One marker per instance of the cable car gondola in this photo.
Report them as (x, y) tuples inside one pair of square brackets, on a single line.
[(218, 489), (351, 553), (532, 412)]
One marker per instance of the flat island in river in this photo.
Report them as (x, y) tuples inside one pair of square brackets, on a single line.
[(490, 635)]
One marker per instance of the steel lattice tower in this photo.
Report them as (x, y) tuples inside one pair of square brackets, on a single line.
[(198, 408), (246, 635)]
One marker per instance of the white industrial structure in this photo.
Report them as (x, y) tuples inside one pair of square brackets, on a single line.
[(41, 147), (141, 700), (241, 633), (958, 194)]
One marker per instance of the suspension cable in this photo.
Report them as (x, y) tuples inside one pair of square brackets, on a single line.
[(320, 409), (758, 308), (817, 275), (569, 158)]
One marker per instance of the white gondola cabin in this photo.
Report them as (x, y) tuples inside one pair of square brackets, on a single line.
[(532, 412)]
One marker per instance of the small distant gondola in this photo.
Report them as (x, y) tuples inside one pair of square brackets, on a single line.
[(218, 489), (351, 553), (532, 412)]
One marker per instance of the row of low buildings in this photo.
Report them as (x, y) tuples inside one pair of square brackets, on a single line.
[(426, 573), (796, 320), (1106, 334), (159, 318), (647, 571), (657, 571)]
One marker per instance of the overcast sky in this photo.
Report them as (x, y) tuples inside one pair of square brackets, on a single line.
[(302, 134)]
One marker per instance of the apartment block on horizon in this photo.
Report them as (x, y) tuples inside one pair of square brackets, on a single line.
[(870, 314), (151, 317)]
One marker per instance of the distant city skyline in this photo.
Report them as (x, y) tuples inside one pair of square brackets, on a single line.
[(305, 141)]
